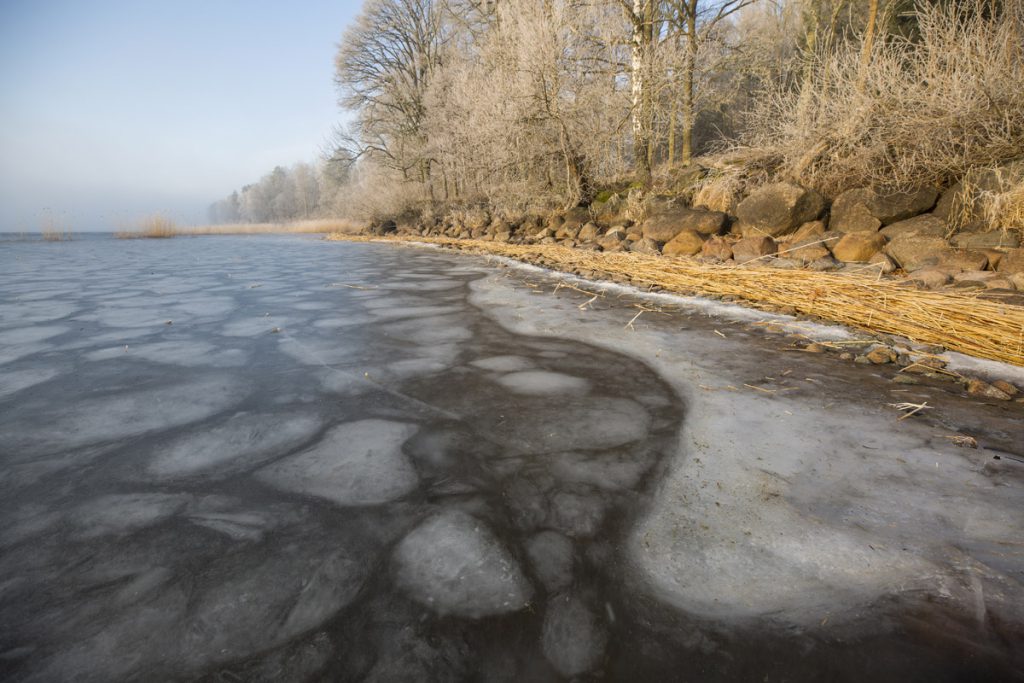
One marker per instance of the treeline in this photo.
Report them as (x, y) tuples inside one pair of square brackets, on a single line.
[(302, 191), (531, 104), (526, 102)]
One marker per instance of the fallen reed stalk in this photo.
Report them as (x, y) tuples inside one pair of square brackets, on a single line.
[(962, 322)]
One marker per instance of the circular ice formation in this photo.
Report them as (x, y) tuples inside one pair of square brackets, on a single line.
[(454, 564), (542, 383), (243, 439), (503, 363), (356, 463), (573, 638)]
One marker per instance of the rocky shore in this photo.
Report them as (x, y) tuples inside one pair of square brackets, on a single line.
[(932, 240)]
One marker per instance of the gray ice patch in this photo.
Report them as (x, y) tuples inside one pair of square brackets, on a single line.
[(573, 637), (503, 363), (356, 463), (123, 513), (454, 564), (243, 440), (541, 383)]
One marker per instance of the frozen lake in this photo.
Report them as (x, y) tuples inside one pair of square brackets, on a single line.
[(280, 459)]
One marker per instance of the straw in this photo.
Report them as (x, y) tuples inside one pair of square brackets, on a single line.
[(959, 321)]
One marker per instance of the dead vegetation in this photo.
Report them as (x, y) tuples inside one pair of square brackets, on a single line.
[(53, 230), (961, 322), (902, 111), (151, 227), (159, 227)]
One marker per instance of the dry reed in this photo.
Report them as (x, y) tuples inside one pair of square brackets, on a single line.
[(153, 227), (979, 327)]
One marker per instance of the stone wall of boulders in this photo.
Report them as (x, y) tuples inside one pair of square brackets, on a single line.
[(780, 225)]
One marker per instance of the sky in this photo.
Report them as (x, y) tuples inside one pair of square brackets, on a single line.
[(111, 110)]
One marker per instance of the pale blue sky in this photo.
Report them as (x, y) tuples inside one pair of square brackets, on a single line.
[(112, 109)]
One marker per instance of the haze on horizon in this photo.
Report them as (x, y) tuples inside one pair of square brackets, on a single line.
[(112, 110)]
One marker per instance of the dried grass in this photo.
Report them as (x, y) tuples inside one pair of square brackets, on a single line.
[(961, 322), (326, 225), (54, 231), (152, 227)]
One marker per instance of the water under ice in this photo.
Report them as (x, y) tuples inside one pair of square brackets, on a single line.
[(358, 462)]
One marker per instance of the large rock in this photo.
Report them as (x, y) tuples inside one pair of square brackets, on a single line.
[(986, 240), (851, 207), (931, 277), (778, 209), (855, 218), (960, 259), (663, 227), (925, 225), (911, 252), (686, 243), (717, 248), (644, 246), (807, 250), (753, 248), (588, 233), (1012, 262), (858, 247)]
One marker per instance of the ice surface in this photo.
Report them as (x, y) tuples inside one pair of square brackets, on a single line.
[(122, 513), (250, 327), (126, 413), (182, 352), (551, 556), (744, 524), (541, 383), (584, 423), (454, 564), (573, 636), (356, 463), (503, 363), (241, 441), (15, 380), (30, 335)]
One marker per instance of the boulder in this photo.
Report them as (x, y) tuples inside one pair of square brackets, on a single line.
[(885, 207), (663, 227), (884, 264), (644, 246), (925, 225), (912, 252), (619, 232), (986, 240), (1012, 262), (856, 218), (806, 250), (809, 230), (577, 218), (610, 243), (588, 233), (717, 248), (964, 260), (977, 387), (858, 247), (753, 248), (686, 243), (931, 277), (778, 209)]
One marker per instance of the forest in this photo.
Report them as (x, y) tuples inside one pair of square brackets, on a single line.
[(532, 105)]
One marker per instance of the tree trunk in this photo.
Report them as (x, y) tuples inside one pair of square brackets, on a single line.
[(641, 21), (689, 64), (869, 42)]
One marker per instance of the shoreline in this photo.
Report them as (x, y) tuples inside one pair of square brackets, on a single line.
[(989, 370)]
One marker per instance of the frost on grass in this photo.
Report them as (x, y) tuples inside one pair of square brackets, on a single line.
[(357, 463), (243, 440), (454, 564)]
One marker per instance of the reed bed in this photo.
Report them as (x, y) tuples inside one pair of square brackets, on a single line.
[(963, 322), (153, 227)]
